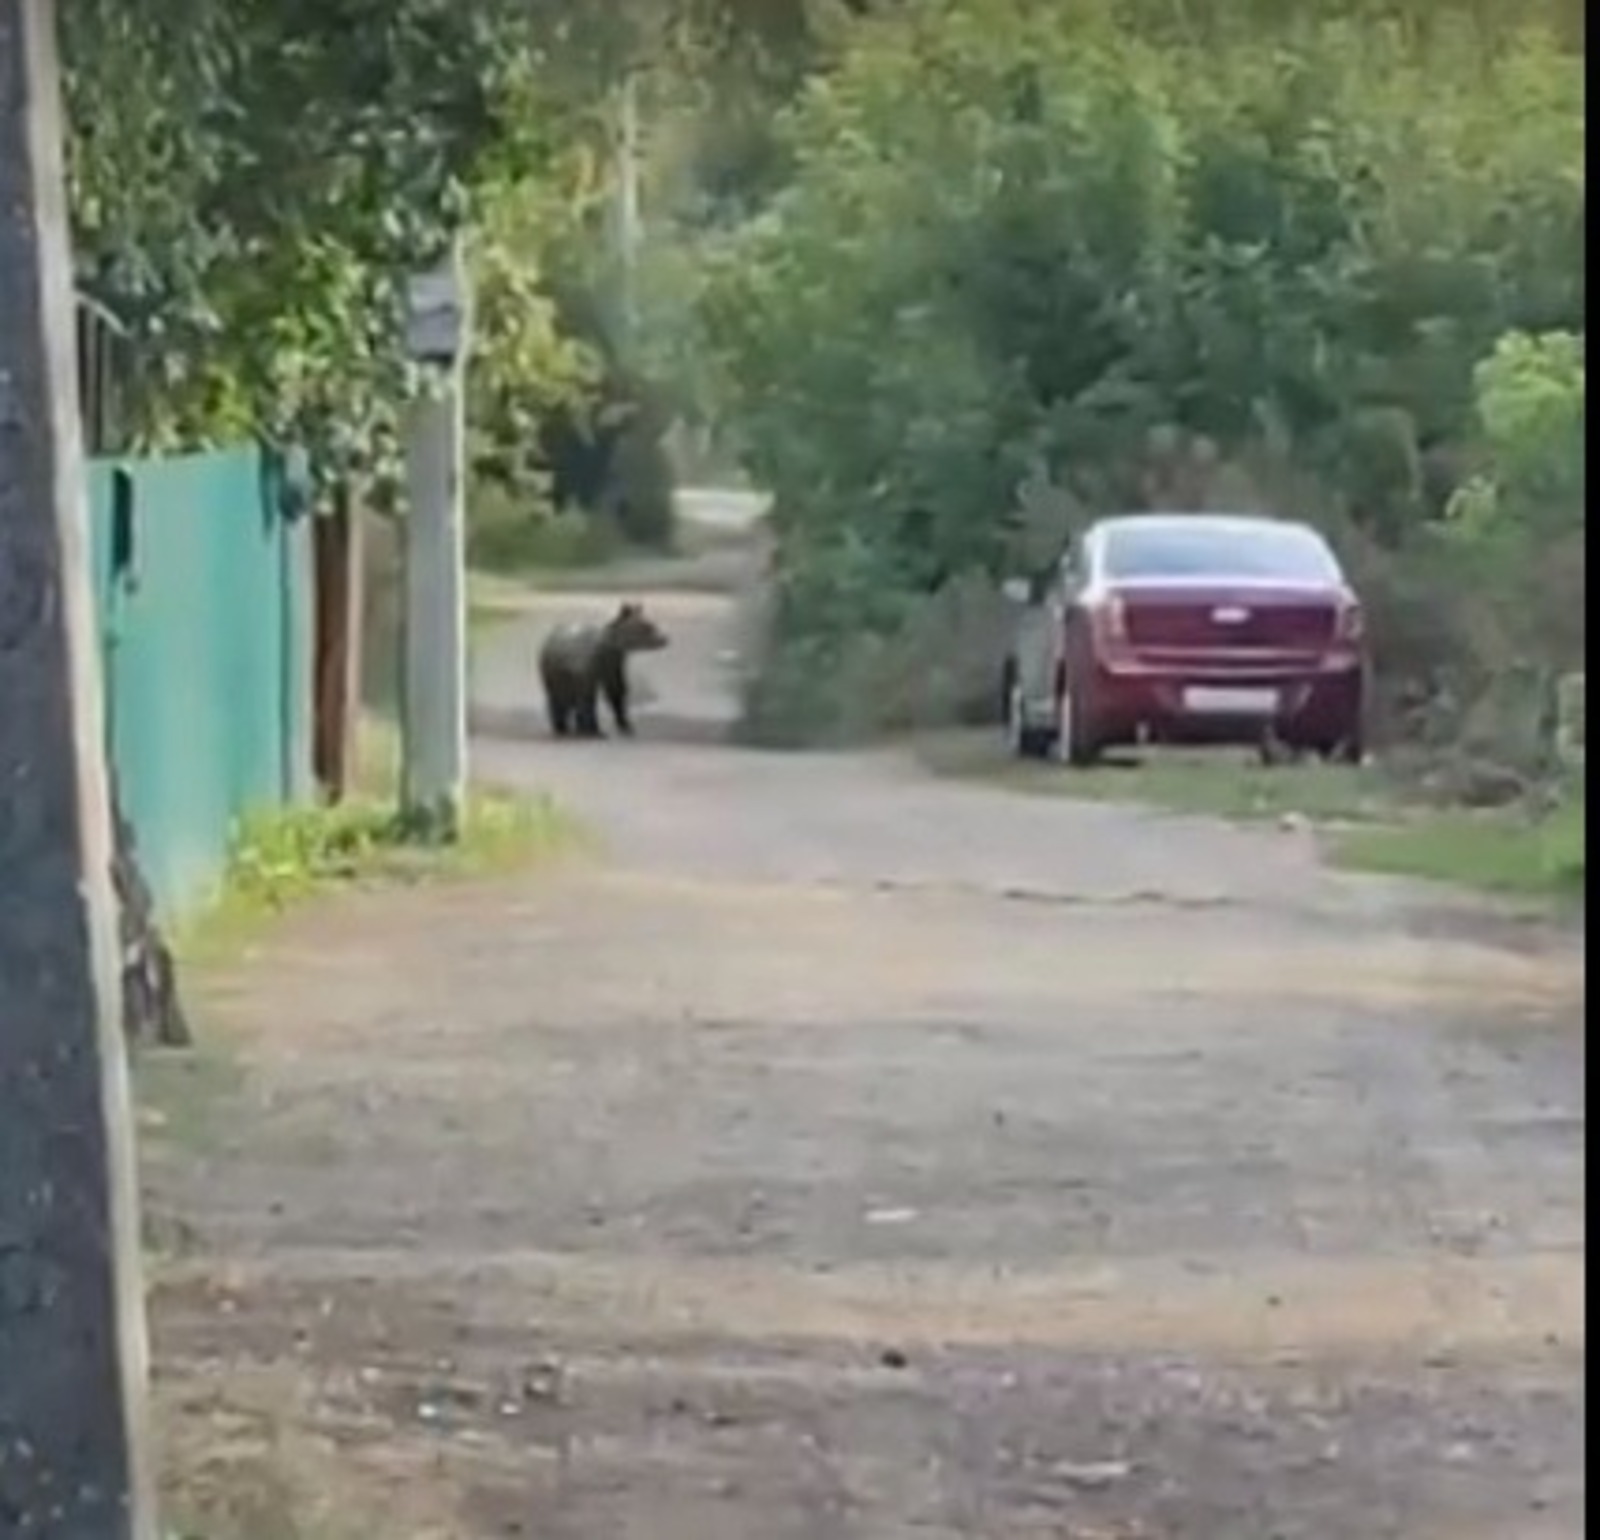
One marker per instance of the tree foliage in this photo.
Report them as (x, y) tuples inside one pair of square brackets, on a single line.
[(1530, 394), (252, 180), (1015, 240)]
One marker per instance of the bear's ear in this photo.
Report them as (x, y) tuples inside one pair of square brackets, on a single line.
[(629, 610)]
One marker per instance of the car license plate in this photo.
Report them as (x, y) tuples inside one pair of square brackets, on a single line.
[(1217, 700)]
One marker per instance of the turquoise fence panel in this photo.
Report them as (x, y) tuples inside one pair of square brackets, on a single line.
[(99, 476), (207, 664), (297, 552)]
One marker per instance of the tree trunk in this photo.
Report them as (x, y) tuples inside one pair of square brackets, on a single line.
[(152, 1012), (340, 563)]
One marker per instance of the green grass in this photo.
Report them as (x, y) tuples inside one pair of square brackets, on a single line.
[(487, 607), (1219, 785), (541, 551), (1370, 822), (1506, 852), (287, 858), (507, 538)]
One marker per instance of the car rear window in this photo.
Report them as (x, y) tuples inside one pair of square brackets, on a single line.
[(1201, 548)]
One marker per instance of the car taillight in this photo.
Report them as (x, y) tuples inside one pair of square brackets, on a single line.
[(1352, 626), (1111, 620)]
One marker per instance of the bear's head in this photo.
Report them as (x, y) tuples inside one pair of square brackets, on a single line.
[(631, 630)]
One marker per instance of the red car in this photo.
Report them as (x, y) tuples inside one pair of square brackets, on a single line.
[(1189, 628)]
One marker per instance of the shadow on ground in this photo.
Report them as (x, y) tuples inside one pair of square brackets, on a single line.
[(510, 724)]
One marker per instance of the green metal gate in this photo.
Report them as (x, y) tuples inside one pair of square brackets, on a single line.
[(203, 589)]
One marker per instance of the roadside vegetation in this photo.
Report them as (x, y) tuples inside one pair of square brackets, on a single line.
[(503, 539), (292, 857), (1326, 261), (289, 858), (1512, 852), (945, 278), (1025, 268), (1220, 785), (1367, 818), (251, 181)]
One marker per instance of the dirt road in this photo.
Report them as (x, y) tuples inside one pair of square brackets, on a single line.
[(848, 1154)]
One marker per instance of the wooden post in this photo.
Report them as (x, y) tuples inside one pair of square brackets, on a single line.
[(352, 660), (339, 569), (72, 1332)]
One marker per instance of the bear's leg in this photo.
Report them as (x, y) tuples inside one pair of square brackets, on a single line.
[(587, 711), (557, 707), (616, 692)]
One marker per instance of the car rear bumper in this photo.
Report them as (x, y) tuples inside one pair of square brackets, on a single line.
[(1316, 705)]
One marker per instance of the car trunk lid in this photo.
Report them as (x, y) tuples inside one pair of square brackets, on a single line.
[(1172, 617)]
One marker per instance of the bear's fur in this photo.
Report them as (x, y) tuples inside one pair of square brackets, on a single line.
[(580, 663)]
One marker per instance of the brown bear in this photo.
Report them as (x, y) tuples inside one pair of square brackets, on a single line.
[(580, 663)]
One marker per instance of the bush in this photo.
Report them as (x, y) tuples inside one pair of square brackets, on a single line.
[(638, 495), (1571, 722), (939, 665), (608, 458), (1013, 240), (506, 535), (286, 856), (1564, 839)]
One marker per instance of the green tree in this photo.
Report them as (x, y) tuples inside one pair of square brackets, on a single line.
[(1011, 239), (252, 181)]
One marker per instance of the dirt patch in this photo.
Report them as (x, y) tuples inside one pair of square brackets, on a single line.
[(844, 1153), (263, 1451)]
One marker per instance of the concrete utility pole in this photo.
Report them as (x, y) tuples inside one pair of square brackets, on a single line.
[(434, 726), (72, 1332), (629, 225)]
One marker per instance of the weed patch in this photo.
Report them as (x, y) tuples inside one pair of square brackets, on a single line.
[(1370, 820), (504, 536), (1507, 852), (295, 856), (1205, 784), (288, 857)]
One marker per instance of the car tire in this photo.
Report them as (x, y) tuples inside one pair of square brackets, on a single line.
[(1274, 752), (1077, 744), (1024, 740), (1350, 750)]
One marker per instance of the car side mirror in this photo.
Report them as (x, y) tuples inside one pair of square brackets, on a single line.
[(1017, 590)]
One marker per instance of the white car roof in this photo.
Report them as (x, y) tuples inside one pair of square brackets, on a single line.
[(1238, 521)]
